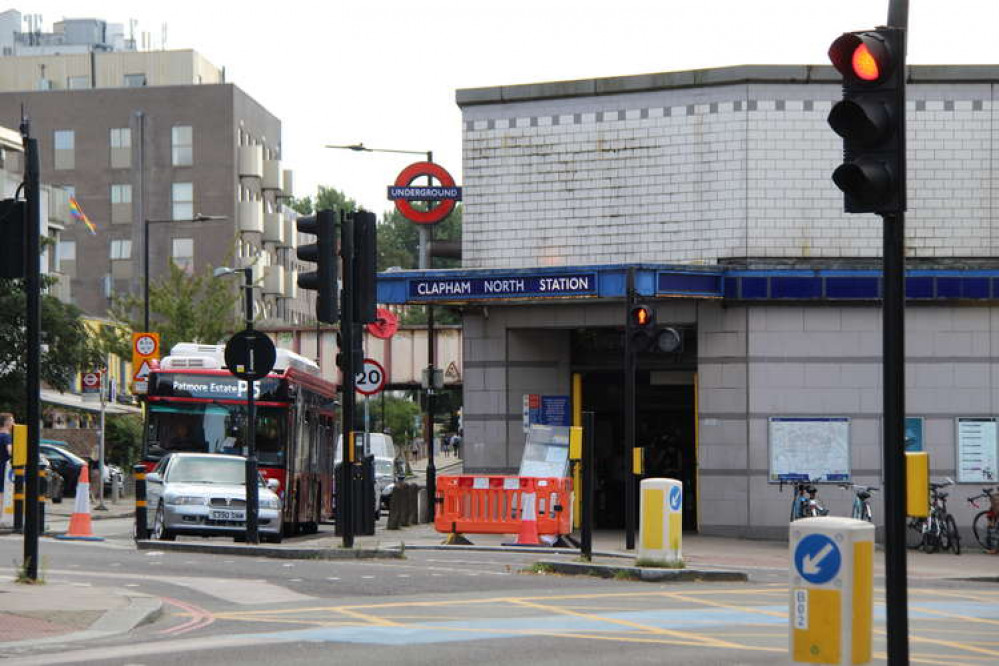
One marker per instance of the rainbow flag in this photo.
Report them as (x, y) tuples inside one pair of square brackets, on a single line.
[(80, 216)]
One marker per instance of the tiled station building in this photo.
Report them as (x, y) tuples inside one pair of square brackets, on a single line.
[(713, 187)]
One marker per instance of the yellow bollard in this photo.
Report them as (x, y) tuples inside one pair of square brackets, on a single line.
[(917, 484), (661, 526), (832, 591)]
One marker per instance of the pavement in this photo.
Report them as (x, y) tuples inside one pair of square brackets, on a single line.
[(61, 612)]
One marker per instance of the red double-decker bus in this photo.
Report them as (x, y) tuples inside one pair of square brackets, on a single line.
[(195, 404)]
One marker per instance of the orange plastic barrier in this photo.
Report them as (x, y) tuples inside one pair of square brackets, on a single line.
[(475, 504)]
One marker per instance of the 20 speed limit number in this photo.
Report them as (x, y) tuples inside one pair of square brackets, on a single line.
[(371, 379)]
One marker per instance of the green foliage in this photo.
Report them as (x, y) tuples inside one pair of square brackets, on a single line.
[(66, 345), (183, 308), (123, 439), (399, 243), (400, 416), (326, 197)]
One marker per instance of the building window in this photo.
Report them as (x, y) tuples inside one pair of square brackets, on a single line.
[(183, 254), (121, 203), (121, 249), (65, 251), (121, 148), (183, 145), (135, 80), (182, 198), (64, 141), (78, 82)]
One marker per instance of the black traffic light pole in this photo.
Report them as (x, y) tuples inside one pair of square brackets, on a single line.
[(33, 340), (252, 468), (629, 415), (893, 313), (345, 499)]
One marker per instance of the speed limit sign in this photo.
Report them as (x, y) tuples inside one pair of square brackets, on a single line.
[(371, 379)]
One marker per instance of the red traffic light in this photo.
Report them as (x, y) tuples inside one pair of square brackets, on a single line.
[(643, 316), (862, 56)]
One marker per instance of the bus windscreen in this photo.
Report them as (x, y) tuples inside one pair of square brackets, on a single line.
[(214, 428)]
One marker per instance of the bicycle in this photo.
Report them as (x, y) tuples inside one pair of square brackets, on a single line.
[(938, 530), (861, 503), (805, 504), (986, 523)]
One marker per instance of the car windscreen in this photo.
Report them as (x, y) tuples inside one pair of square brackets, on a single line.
[(214, 428), (228, 471)]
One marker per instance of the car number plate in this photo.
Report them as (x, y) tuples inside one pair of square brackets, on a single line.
[(215, 514)]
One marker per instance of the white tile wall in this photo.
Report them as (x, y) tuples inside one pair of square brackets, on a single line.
[(702, 174)]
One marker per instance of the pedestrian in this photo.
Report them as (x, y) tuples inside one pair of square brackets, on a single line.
[(445, 445), (95, 478), (456, 444), (6, 448)]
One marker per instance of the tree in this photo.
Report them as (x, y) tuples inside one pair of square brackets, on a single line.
[(400, 417), (66, 345), (182, 308), (123, 439)]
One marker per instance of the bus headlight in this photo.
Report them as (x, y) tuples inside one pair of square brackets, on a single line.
[(185, 499)]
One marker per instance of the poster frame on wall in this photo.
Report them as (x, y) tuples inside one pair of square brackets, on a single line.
[(966, 443)]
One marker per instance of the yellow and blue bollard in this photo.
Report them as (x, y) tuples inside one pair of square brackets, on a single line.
[(661, 525), (832, 591)]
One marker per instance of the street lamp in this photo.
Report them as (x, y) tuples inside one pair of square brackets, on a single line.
[(426, 232), (197, 217), (252, 468)]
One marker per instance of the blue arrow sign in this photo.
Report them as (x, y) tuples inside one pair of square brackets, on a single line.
[(817, 558), (675, 498)]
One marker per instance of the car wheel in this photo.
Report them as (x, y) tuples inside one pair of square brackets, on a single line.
[(160, 532)]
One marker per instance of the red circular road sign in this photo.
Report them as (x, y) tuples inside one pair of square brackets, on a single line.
[(371, 379), (385, 324), (436, 213)]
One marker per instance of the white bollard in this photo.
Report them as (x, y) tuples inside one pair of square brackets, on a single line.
[(661, 531), (832, 590)]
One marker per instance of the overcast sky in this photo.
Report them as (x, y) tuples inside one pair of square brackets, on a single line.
[(385, 72)]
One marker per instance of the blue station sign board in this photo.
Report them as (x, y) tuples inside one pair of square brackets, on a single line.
[(514, 286)]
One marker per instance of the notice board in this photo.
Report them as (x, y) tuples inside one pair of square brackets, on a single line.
[(976, 449), (809, 449)]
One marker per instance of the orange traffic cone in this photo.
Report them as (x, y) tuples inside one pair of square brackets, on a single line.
[(80, 528), (528, 522)]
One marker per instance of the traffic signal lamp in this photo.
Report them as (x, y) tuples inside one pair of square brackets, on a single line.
[(871, 119), (643, 317), (323, 280), (642, 322), (365, 268), (12, 237)]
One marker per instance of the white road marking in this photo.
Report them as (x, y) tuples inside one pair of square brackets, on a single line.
[(233, 590)]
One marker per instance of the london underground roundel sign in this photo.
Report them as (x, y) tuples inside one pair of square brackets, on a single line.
[(403, 192)]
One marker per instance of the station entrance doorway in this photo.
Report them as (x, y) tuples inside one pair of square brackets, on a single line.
[(664, 420)]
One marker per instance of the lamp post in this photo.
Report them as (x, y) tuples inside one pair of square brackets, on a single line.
[(252, 496), (426, 237), (198, 217)]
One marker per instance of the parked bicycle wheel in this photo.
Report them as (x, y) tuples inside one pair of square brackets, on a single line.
[(950, 536), (931, 537), (914, 534), (986, 532)]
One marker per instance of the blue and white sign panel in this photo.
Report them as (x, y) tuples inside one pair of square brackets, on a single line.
[(675, 498), (417, 193), (817, 559), (534, 286)]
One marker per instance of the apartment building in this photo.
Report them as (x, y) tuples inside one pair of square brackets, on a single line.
[(157, 145)]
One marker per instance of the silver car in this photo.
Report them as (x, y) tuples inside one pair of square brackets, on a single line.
[(204, 494)]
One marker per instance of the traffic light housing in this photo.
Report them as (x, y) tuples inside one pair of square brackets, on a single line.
[(12, 228), (642, 326), (365, 268), (871, 119), (323, 280)]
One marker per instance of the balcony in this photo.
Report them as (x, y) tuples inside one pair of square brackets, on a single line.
[(272, 175), (251, 217), (274, 228), (251, 161), (274, 280), (290, 234), (291, 283), (286, 184)]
